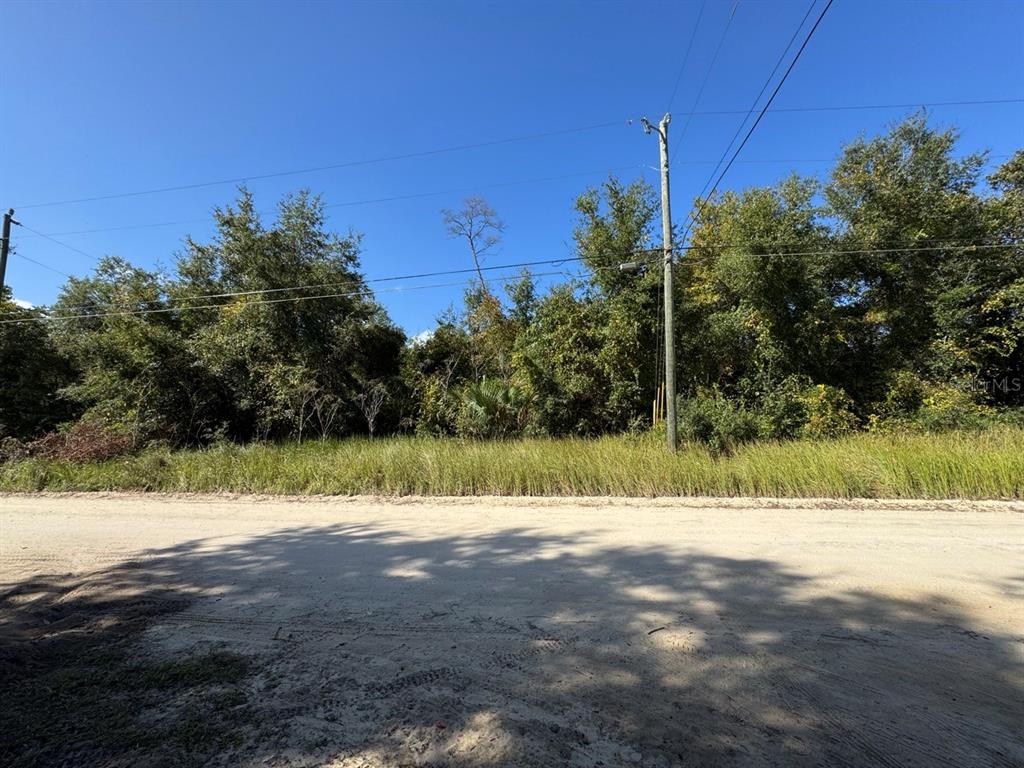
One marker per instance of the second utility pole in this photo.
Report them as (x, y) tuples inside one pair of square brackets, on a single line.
[(5, 246), (666, 241)]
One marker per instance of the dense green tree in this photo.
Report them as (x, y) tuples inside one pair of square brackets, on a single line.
[(434, 369), (979, 311), (295, 309), (903, 190), (754, 304), (522, 296), (137, 372), (32, 373), (558, 363), (618, 310), (876, 273), (264, 332)]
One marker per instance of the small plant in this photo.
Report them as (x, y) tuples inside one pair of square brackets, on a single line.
[(493, 410)]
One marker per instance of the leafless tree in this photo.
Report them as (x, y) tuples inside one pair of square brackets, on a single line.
[(302, 397), (371, 400), (478, 223), (325, 408), (310, 402)]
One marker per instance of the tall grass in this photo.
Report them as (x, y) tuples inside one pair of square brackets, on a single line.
[(953, 465)]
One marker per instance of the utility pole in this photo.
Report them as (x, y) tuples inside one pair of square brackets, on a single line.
[(666, 240), (5, 246)]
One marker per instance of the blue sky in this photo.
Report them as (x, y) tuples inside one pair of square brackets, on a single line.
[(105, 98)]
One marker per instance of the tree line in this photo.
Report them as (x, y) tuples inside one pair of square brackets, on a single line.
[(889, 295)]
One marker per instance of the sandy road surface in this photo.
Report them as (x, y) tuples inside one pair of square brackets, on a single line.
[(489, 632)]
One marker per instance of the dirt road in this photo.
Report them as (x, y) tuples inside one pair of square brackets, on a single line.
[(494, 633)]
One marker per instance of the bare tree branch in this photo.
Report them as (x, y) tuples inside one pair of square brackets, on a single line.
[(479, 224), (370, 400)]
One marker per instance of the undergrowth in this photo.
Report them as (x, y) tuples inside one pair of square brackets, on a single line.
[(988, 464)]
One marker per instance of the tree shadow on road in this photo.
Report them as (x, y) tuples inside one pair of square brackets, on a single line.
[(354, 645)]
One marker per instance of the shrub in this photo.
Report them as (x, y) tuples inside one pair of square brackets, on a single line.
[(438, 408), (712, 419), (905, 395), (783, 410), (84, 441), (829, 412), (12, 449), (912, 404), (491, 409), (946, 408)]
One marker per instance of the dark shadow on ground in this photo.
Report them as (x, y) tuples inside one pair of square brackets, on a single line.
[(346, 645)]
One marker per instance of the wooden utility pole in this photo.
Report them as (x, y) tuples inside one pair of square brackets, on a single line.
[(5, 246), (666, 240)]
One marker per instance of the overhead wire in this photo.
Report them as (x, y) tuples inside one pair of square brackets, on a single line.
[(764, 87), (51, 239), (495, 185), (54, 240), (695, 161), (390, 278), (369, 201), (703, 200), (968, 247), (328, 167), (41, 264), (844, 107), (50, 236), (707, 73), (364, 292), (686, 56), (497, 142)]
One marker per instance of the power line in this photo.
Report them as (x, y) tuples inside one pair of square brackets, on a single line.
[(329, 205), (392, 278), (126, 227), (753, 127), (496, 185), (846, 107), (54, 240), (686, 56), (769, 161), (691, 113), (41, 264), (51, 239), (968, 247), (332, 166), (505, 278), (764, 87), (369, 201), (346, 294), (707, 74)]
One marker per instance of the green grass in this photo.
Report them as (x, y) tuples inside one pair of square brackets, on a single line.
[(986, 464)]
